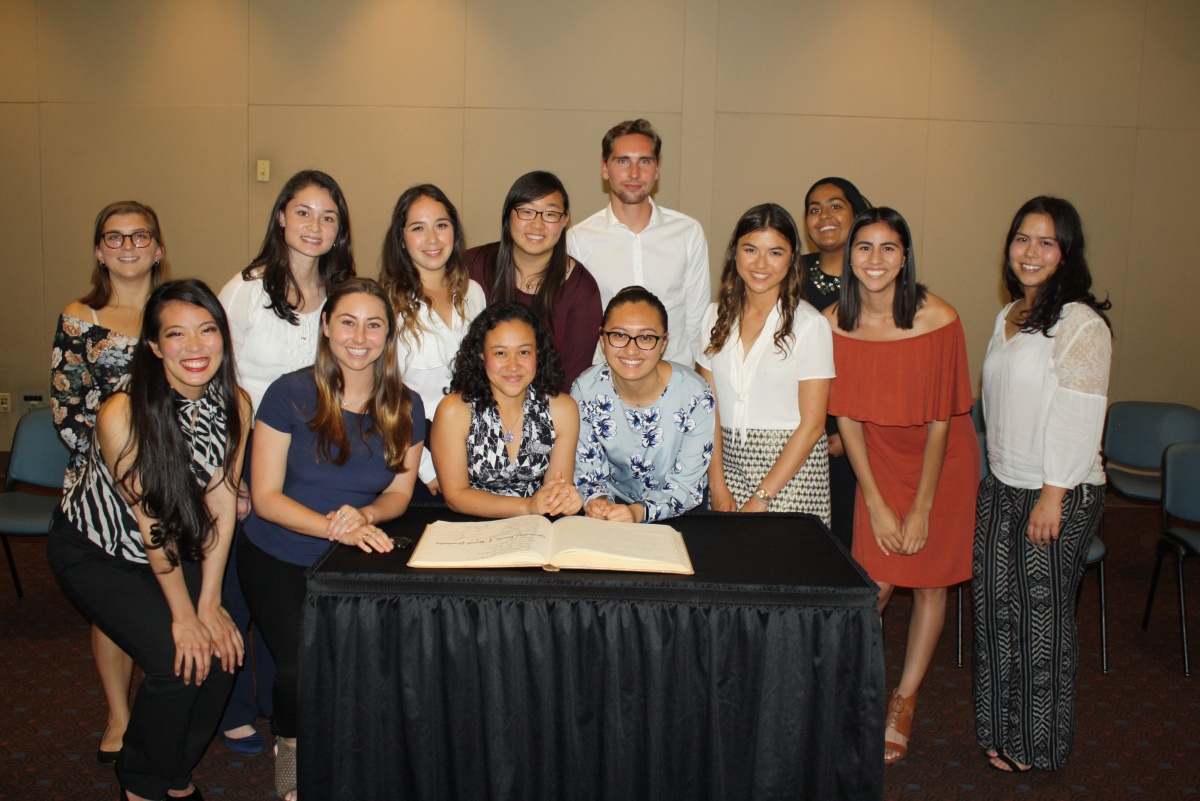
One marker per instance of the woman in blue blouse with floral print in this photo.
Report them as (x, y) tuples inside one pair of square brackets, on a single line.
[(646, 425)]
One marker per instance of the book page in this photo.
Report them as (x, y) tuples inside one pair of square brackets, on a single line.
[(509, 542), (587, 543)]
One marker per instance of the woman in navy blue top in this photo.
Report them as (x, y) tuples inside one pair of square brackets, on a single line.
[(332, 459)]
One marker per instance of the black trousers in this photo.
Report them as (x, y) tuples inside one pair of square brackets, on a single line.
[(275, 591), (171, 723)]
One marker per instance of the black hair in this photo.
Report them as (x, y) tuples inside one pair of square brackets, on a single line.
[(909, 295), (858, 202), (469, 376), (636, 294)]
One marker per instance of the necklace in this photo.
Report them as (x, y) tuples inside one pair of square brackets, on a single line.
[(823, 281), (510, 430), (876, 316), (529, 284), (349, 404)]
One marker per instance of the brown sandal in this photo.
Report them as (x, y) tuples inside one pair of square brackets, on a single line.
[(285, 768), (899, 719)]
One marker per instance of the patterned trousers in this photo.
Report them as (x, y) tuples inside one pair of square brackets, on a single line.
[(1026, 642)]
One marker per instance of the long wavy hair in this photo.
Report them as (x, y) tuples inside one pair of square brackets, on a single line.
[(401, 279), (1071, 282), (273, 262), (731, 299), (909, 295), (502, 275), (470, 376), (389, 409), (101, 291), (159, 476)]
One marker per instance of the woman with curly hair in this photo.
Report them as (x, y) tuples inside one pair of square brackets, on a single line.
[(140, 540), (425, 274), (519, 429), (336, 452), (645, 423), (770, 360), (93, 347)]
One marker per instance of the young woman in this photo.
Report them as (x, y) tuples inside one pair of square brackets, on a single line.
[(1045, 386), (274, 308), (829, 210), (519, 430), (141, 538), (902, 398), (770, 360), (530, 265), (424, 273), (93, 347), (336, 452), (646, 424)]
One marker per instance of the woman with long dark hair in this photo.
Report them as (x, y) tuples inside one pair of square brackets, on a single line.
[(336, 451), (1045, 386), (424, 272), (902, 398), (519, 430), (530, 265), (93, 348), (140, 540), (770, 360)]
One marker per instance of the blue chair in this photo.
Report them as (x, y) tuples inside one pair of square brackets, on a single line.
[(1181, 499), (1135, 435), (39, 458)]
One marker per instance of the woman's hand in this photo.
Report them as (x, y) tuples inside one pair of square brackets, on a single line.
[(721, 499), (367, 537), (835, 445), (886, 527), (555, 497), (193, 649), (753, 506), (1046, 517), (226, 639), (598, 507), (243, 500), (433, 486), (914, 533), (343, 520)]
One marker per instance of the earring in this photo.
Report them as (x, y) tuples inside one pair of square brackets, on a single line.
[(156, 265)]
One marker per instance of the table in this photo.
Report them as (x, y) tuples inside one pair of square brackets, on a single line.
[(759, 677)]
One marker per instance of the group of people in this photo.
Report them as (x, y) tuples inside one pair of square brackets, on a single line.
[(552, 374)]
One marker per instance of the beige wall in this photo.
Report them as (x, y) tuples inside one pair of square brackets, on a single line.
[(953, 111)]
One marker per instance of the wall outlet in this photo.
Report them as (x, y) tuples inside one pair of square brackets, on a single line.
[(31, 402), (5, 402)]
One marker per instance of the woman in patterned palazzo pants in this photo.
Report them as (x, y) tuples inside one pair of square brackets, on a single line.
[(1045, 382)]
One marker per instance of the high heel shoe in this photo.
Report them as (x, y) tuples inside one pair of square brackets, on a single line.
[(899, 720), (107, 757)]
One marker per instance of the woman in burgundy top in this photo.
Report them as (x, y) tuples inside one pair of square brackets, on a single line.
[(530, 265)]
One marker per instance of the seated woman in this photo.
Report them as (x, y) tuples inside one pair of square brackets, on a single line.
[(141, 538), (530, 265), (646, 430), (770, 359), (332, 458), (518, 428)]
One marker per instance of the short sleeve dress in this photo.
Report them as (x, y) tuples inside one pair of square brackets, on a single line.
[(894, 388)]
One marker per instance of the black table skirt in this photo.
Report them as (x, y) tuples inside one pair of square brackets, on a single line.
[(523, 684)]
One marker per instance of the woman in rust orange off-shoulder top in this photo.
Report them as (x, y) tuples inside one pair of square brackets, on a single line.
[(902, 398)]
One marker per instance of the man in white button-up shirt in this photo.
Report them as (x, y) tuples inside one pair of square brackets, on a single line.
[(632, 240)]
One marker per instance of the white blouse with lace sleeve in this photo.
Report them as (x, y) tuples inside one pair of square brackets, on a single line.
[(1044, 400)]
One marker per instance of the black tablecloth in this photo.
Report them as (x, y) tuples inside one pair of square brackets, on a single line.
[(759, 677)]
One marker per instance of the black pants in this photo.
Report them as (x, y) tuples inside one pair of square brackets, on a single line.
[(171, 723), (275, 591)]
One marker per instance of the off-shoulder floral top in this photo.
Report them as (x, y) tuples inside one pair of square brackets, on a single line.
[(88, 364)]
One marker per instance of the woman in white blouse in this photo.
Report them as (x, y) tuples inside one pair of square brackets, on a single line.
[(1045, 382), (769, 359), (424, 273)]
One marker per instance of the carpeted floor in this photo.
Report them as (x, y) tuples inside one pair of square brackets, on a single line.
[(1138, 734)]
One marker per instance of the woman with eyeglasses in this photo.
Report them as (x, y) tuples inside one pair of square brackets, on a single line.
[(646, 424), (93, 348), (770, 360), (530, 265)]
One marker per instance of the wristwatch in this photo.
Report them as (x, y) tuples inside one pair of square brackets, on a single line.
[(764, 496)]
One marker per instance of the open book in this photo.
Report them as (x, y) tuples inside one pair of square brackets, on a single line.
[(576, 543)]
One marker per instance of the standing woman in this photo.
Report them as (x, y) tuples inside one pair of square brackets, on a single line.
[(140, 540), (424, 273), (770, 360), (336, 452), (274, 308), (93, 347), (530, 265), (1045, 386), (645, 424), (519, 430), (829, 210), (902, 397)]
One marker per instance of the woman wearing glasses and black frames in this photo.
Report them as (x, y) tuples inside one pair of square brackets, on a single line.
[(530, 265), (770, 360), (93, 348), (646, 424)]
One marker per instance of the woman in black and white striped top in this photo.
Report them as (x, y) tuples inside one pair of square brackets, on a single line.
[(141, 540)]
